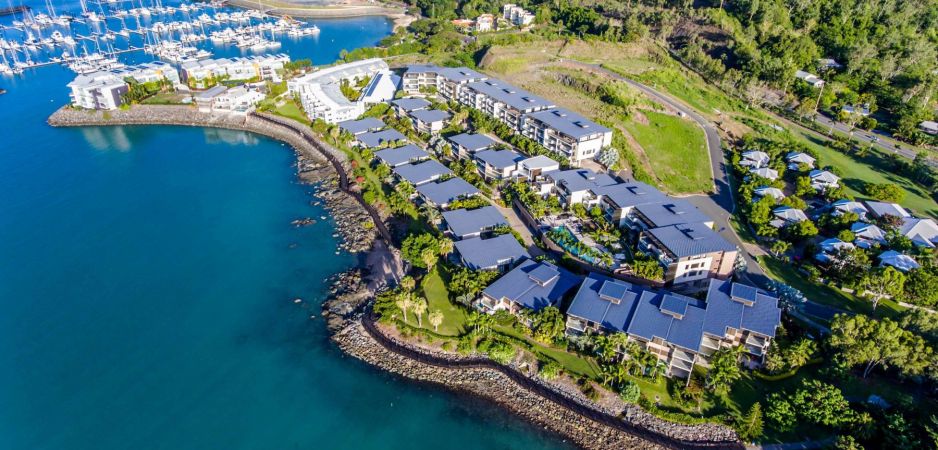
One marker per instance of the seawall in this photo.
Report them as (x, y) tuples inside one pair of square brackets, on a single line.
[(317, 162)]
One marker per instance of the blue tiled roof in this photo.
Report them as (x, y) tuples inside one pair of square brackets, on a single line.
[(499, 159), (762, 317), (361, 126), (648, 321), (422, 172), (672, 212), (533, 284), (512, 96), (581, 179), (465, 222), (430, 115), (472, 142), (401, 155), (422, 68), (447, 191), (490, 253), (411, 104), (627, 195), (377, 138), (674, 304), (460, 74), (569, 122), (691, 239), (589, 304)]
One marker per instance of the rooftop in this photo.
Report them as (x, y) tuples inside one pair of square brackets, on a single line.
[(472, 142), (447, 191), (464, 222), (627, 195), (691, 239), (499, 159), (576, 180), (533, 284), (401, 155), (672, 212), (411, 104), (357, 127), (430, 115), (422, 172), (512, 96), (489, 253), (378, 138), (593, 302), (569, 123)]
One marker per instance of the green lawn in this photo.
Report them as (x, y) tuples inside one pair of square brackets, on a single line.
[(677, 151), (825, 294), (688, 87), (454, 316), (290, 110)]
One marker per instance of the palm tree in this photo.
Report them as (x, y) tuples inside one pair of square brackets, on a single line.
[(480, 323), (436, 319), (419, 307), (446, 247), (408, 283), (334, 132), (429, 258), (404, 303), (431, 212)]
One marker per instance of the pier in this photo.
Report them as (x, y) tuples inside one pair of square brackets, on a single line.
[(13, 10)]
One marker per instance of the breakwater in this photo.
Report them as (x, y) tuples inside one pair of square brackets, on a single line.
[(317, 162), (530, 398)]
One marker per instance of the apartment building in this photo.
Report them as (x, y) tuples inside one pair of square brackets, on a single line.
[(690, 254), (98, 90), (568, 133)]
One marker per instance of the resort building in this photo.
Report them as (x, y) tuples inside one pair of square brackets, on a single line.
[(429, 121), (422, 172), (576, 186), (203, 73), (237, 100), (321, 95), (674, 211), (420, 77), (681, 331), (442, 193), (567, 133), (382, 87), (796, 159), (502, 101), (154, 71), (822, 180), (357, 127), (383, 138), (690, 254), (618, 200), (534, 167), (498, 253), (98, 90), (531, 286), (399, 156), (467, 144), (497, 164), (404, 106), (473, 223)]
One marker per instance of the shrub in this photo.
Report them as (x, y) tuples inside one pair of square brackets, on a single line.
[(630, 392), (549, 370), (886, 192)]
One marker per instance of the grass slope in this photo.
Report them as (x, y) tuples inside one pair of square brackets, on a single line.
[(677, 151)]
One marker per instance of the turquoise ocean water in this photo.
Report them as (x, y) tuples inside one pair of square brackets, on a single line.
[(146, 285)]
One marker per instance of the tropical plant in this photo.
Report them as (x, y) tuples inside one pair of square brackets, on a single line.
[(419, 306), (436, 319), (404, 302)]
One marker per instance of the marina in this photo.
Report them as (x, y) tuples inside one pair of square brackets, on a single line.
[(93, 37)]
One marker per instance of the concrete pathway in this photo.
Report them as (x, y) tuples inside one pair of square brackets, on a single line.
[(518, 225)]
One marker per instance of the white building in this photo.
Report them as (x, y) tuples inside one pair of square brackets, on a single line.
[(517, 15), (484, 22), (322, 97), (811, 79), (98, 90), (238, 100), (929, 127), (264, 67), (568, 133), (151, 72)]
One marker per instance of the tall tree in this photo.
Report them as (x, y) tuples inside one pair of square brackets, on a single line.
[(881, 283), (750, 426), (420, 307), (436, 319), (724, 369), (871, 343)]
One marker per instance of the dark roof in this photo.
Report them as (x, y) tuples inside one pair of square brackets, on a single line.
[(472, 142), (377, 138), (533, 284), (492, 252), (464, 222), (360, 126), (411, 104), (422, 172), (499, 159), (672, 212), (763, 316), (581, 179), (627, 195), (512, 96), (691, 239), (447, 191), (568, 122), (401, 155), (430, 115), (595, 301), (461, 74)]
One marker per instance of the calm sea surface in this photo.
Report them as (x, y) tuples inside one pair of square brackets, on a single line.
[(146, 285)]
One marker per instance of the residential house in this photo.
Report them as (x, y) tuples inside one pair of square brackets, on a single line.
[(567, 133), (497, 253), (883, 209), (867, 235), (532, 168), (897, 260), (429, 121), (862, 111), (357, 127), (497, 164), (484, 22), (575, 186), (517, 15), (811, 79), (828, 63), (399, 156), (787, 215), (466, 144), (822, 180), (443, 193), (796, 159), (929, 127), (237, 100), (421, 173), (472, 223), (531, 286), (849, 206), (765, 172), (383, 138), (205, 100), (690, 253), (769, 191), (830, 248), (755, 159), (922, 232)]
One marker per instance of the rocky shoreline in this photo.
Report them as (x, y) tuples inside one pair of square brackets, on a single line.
[(312, 167)]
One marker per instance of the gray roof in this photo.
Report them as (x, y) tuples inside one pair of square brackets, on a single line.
[(672, 212), (422, 68), (763, 316), (461, 74), (533, 284), (357, 127), (580, 179), (422, 172), (377, 138), (411, 104), (447, 191), (880, 209), (464, 222), (569, 123), (593, 301), (211, 92), (691, 239), (512, 96), (650, 320), (627, 195), (401, 155), (430, 115), (499, 159), (492, 252), (472, 142)]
